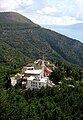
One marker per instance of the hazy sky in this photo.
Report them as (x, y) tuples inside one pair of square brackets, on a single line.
[(46, 11)]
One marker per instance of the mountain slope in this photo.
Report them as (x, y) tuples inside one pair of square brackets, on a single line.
[(23, 41), (74, 31)]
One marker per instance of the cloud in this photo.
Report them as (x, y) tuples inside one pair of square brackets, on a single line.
[(9, 5), (61, 12), (47, 19), (49, 10), (46, 11)]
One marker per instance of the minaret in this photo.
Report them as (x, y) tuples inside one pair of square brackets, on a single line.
[(43, 67)]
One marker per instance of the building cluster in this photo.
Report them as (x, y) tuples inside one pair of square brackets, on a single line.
[(34, 77)]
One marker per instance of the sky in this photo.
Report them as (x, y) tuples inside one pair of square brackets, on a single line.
[(59, 12)]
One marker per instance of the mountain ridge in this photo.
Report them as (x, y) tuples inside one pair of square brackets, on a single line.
[(25, 41)]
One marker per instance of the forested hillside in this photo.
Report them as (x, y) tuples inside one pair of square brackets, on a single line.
[(56, 103), (63, 101), (22, 41)]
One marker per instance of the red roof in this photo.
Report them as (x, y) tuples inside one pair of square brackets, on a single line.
[(47, 71)]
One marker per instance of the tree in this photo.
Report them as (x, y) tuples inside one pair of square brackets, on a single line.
[(80, 75), (56, 76), (8, 81)]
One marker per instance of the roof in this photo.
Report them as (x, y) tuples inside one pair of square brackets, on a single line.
[(33, 78), (47, 71), (33, 71)]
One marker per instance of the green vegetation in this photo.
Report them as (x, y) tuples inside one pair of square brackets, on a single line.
[(67, 74), (22, 41), (60, 103)]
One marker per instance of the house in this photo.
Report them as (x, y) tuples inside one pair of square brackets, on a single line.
[(34, 79), (36, 82)]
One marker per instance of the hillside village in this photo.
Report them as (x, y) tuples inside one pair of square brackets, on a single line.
[(34, 75), (61, 83)]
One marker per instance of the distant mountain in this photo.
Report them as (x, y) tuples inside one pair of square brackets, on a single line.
[(22, 41), (78, 26), (74, 31)]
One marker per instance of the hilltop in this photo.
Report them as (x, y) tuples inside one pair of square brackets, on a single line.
[(22, 41), (13, 17)]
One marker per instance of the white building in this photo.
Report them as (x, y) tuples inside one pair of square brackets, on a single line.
[(13, 81), (36, 82), (35, 79)]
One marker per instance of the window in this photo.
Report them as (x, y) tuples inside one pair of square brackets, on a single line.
[(39, 83), (34, 84)]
